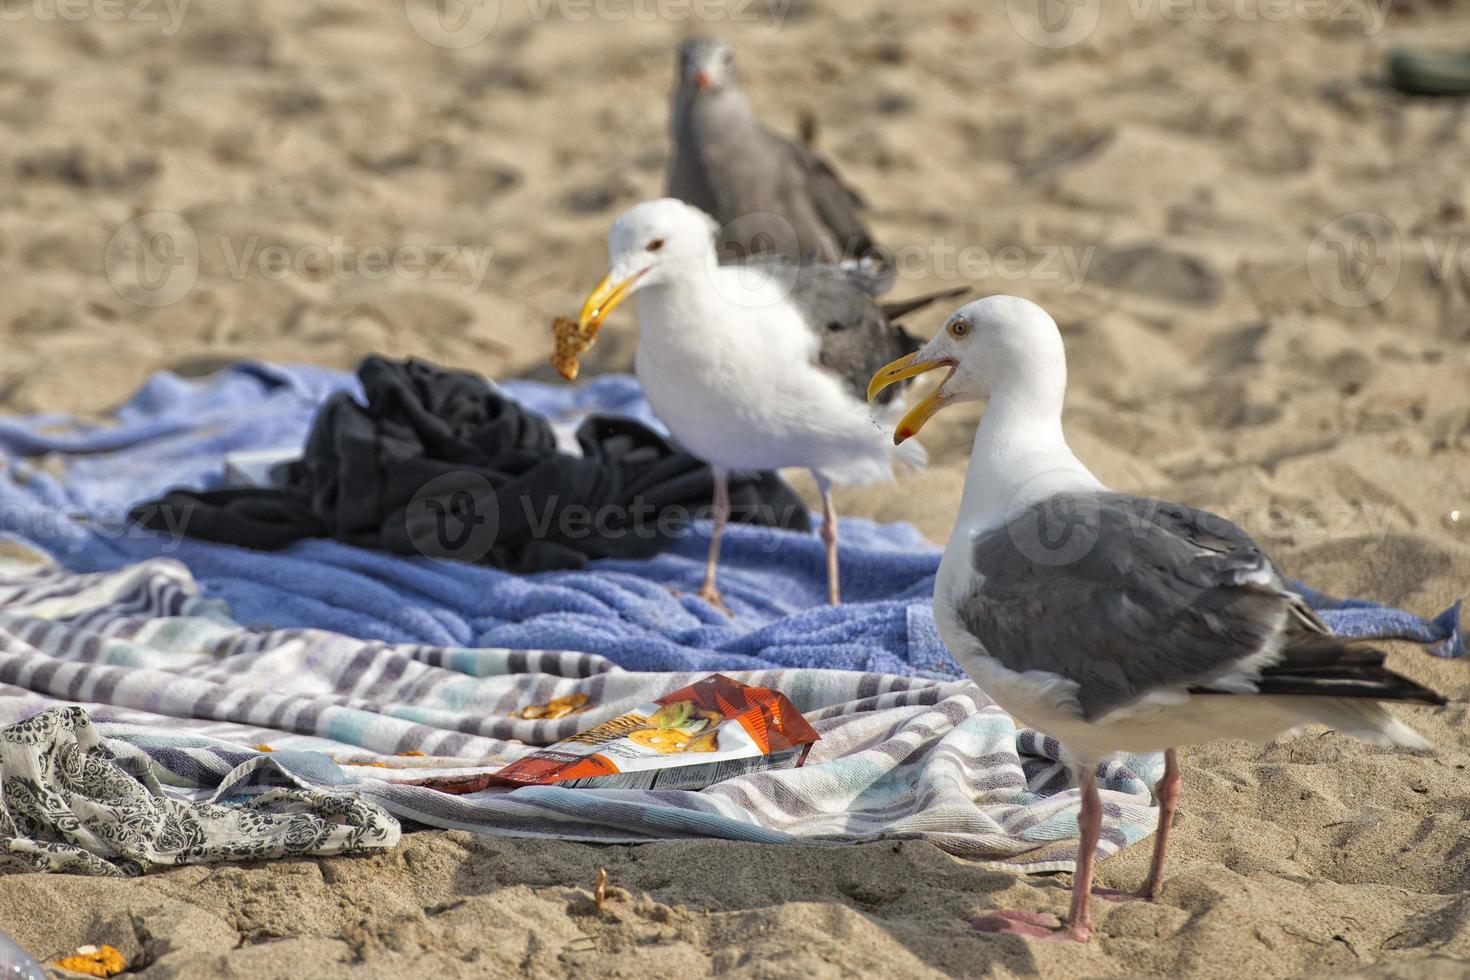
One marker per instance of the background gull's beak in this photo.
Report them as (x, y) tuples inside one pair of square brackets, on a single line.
[(911, 366), (604, 299)]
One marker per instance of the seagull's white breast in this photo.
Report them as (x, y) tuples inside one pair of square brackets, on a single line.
[(729, 367)]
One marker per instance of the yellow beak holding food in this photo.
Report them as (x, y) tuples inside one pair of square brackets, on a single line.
[(911, 366), (604, 299), (575, 337)]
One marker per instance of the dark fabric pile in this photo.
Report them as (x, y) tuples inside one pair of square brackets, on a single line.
[(436, 463)]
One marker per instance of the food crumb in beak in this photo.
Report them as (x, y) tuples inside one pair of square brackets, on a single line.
[(571, 343)]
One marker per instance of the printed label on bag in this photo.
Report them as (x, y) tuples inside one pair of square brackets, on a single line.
[(694, 737)]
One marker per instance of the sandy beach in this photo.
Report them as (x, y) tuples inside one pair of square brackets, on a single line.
[(1259, 256)]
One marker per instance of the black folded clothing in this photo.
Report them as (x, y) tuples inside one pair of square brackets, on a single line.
[(438, 464)]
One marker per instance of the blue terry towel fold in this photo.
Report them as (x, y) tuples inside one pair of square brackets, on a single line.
[(67, 486)]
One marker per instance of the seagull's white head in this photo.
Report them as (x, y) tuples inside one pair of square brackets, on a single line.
[(649, 243), (999, 340), (706, 65)]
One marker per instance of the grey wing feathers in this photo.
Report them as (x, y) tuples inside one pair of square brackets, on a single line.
[(835, 203), (1125, 595), (856, 338)]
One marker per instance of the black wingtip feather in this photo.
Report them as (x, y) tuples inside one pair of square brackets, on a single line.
[(1386, 687), (901, 308), (1329, 669)]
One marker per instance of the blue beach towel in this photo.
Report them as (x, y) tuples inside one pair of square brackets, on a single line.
[(67, 486)]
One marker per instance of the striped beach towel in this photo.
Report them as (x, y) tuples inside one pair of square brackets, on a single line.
[(215, 709)]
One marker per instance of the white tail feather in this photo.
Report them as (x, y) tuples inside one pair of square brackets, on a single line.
[(1368, 721)]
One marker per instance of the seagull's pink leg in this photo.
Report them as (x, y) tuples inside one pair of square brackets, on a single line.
[(1089, 822), (1168, 791), (1078, 926), (829, 538), (719, 513)]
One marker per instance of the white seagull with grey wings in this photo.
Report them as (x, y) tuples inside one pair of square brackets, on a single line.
[(1115, 623), (756, 366)]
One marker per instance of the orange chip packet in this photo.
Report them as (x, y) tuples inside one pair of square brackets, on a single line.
[(699, 735)]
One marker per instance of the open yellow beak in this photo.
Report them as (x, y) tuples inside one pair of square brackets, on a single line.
[(910, 366), (604, 299)]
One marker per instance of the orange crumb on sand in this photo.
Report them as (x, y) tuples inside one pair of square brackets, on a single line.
[(94, 961)]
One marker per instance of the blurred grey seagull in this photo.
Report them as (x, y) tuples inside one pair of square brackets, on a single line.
[(1111, 622), (769, 194), (755, 366)]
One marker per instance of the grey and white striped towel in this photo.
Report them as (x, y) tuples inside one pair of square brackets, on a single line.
[(166, 673)]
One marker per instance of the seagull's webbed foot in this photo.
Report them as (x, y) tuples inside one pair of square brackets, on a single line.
[(1144, 894), (711, 595), (1078, 926), (1012, 923)]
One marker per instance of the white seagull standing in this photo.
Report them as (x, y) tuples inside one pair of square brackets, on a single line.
[(1115, 623), (756, 366)]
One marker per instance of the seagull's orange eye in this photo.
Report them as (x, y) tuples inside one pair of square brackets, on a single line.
[(959, 328), (656, 244)]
